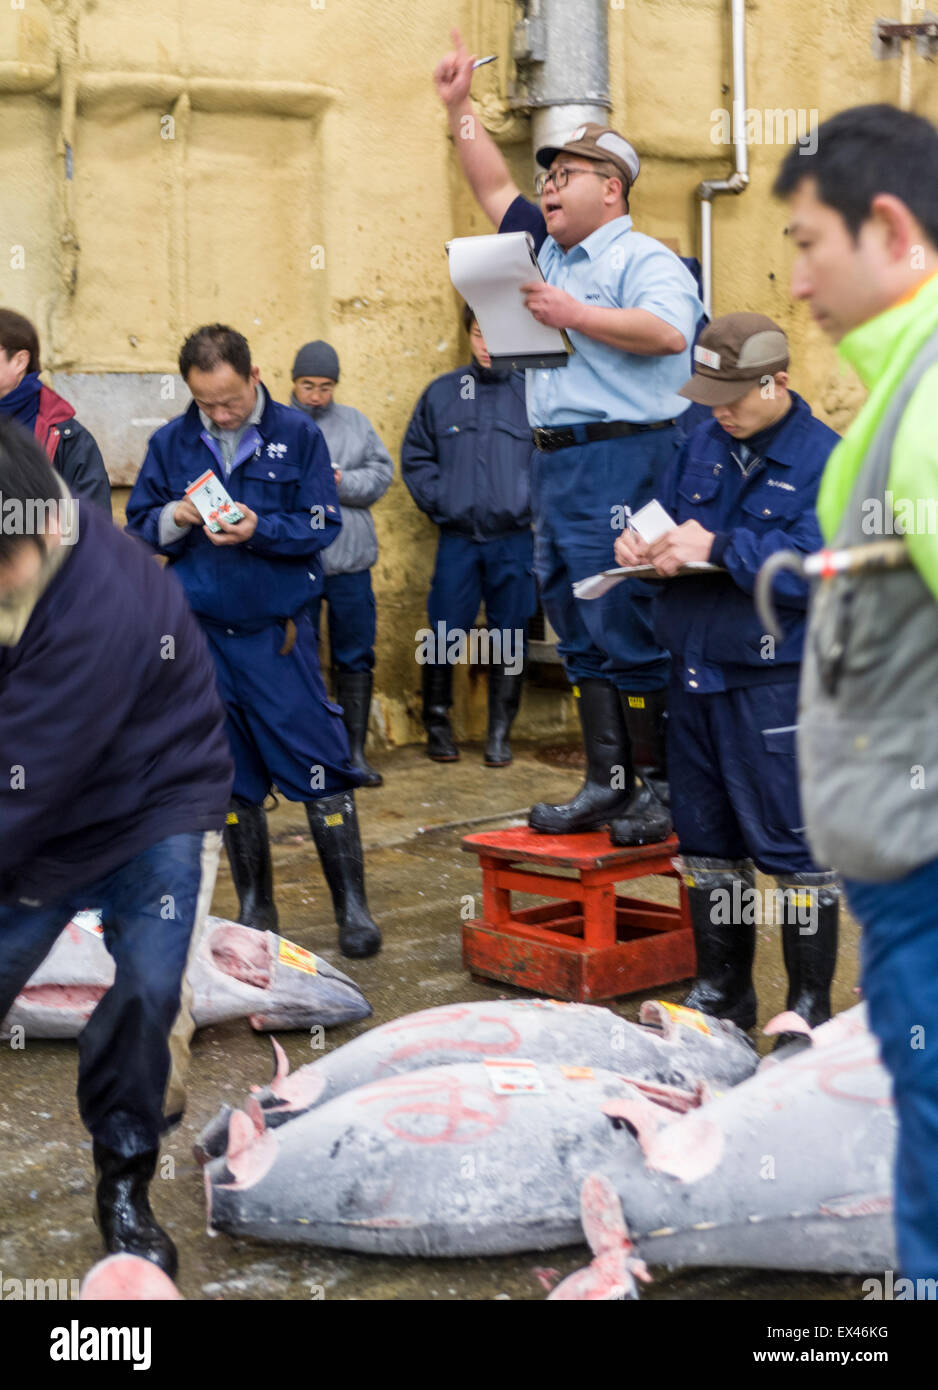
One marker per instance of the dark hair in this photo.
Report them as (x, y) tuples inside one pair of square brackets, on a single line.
[(468, 317), (208, 347), (18, 335), (26, 477), (865, 151)]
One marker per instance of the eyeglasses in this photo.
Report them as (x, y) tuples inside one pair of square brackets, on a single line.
[(561, 177)]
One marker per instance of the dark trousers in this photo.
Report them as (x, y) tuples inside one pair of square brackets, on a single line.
[(352, 619), (283, 728), (149, 911), (577, 496), (498, 571), (734, 775), (899, 958)]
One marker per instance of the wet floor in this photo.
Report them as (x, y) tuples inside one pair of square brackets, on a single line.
[(418, 880)]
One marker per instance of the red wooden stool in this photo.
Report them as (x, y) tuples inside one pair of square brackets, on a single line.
[(589, 944)]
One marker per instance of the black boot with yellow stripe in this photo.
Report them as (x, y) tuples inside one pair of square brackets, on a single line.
[(647, 818)]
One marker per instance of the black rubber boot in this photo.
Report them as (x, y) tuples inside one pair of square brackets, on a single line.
[(333, 823), (504, 699), (248, 844), (609, 780), (723, 918), (437, 698), (647, 821), (353, 692), (122, 1208), (809, 946)]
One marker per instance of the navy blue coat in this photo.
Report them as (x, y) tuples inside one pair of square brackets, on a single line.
[(283, 472), (108, 704), (710, 624), (467, 450)]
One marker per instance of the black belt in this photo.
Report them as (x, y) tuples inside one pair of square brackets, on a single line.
[(564, 437)]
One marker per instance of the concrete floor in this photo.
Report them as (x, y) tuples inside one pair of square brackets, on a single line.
[(417, 878)]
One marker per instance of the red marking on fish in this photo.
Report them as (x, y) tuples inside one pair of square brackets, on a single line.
[(442, 1096), (874, 1205), (508, 1045)]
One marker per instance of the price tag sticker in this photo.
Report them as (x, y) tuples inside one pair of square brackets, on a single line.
[(577, 1073), (514, 1077), (689, 1017), (297, 957)]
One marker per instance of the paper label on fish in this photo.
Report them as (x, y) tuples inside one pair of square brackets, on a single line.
[(689, 1017), (89, 919), (577, 1073), (297, 957), (514, 1077)]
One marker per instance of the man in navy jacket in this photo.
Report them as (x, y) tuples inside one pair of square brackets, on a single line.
[(465, 460), (116, 779), (250, 585), (743, 487)]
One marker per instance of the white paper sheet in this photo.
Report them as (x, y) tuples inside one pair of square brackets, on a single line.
[(488, 271)]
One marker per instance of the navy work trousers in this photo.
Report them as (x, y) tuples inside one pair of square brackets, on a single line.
[(283, 728), (899, 960), (352, 619), (578, 495), (149, 909), (498, 570), (734, 775)]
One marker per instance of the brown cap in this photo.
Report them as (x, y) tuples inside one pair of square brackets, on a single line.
[(594, 141), (732, 354)]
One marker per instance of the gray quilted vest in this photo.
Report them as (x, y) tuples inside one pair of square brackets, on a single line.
[(868, 716)]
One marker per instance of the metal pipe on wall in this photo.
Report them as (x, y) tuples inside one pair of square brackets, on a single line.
[(738, 181), (562, 53)]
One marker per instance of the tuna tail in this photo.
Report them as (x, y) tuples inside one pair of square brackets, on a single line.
[(613, 1272)]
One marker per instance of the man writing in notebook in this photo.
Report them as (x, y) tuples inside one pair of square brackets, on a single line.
[(605, 428)]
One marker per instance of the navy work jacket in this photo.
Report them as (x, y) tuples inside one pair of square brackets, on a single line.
[(466, 454), (282, 471), (710, 624)]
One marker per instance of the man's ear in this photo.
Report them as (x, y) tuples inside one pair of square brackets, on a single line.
[(894, 225), (255, 374)]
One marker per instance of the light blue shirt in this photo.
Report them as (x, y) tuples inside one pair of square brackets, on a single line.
[(616, 268)]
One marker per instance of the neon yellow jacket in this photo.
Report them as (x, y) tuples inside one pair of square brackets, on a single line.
[(880, 352)]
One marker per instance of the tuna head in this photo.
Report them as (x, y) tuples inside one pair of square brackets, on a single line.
[(238, 971), (127, 1278), (289, 1094)]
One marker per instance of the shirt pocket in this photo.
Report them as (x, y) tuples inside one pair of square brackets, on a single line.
[(266, 485), (770, 507), (698, 495)]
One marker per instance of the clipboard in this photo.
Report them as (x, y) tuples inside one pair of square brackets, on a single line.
[(488, 272)]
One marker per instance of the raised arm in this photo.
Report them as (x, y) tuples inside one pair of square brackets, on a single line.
[(482, 161)]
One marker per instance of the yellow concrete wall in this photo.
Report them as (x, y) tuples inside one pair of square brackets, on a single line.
[(299, 125)]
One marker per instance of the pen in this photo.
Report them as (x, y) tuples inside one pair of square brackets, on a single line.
[(481, 62)]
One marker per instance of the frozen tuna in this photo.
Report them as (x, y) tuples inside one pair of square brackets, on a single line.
[(127, 1278), (791, 1169), (478, 1158), (236, 972), (672, 1045)]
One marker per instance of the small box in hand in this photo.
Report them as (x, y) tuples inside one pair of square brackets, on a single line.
[(212, 501)]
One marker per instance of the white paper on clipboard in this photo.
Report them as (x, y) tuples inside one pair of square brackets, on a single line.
[(595, 585), (488, 271)]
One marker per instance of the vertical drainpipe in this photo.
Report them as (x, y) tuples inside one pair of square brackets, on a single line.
[(739, 179), (562, 55)]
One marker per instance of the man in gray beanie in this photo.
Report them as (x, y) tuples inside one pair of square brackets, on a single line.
[(363, 472)]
